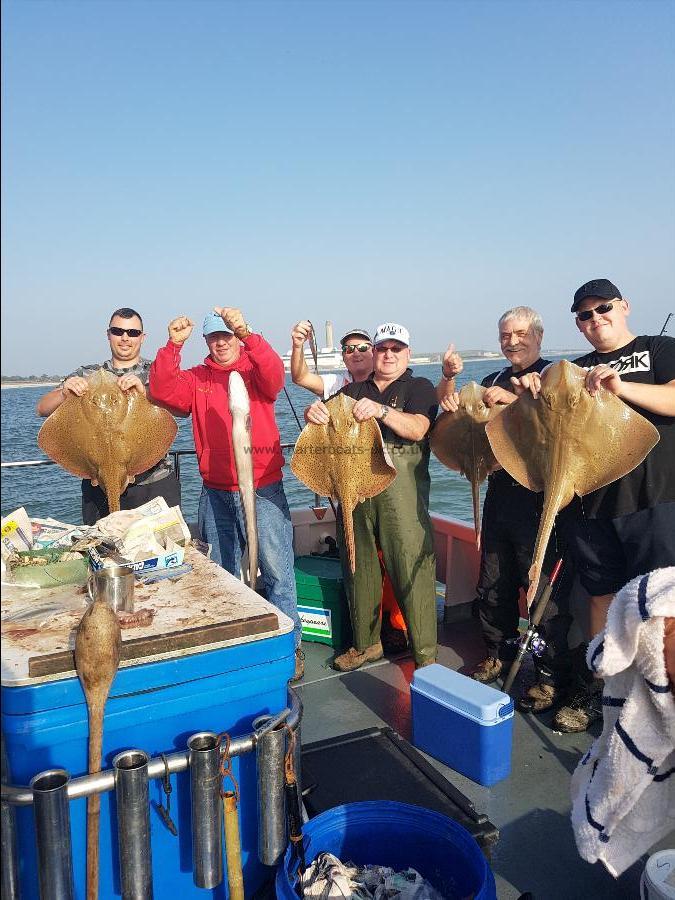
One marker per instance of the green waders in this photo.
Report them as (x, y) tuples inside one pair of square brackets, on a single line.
[(398, 521)]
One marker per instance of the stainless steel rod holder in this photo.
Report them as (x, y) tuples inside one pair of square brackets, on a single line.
[(9, 874), (100, 782), (207, 815), (52, 834), (133, 824), (272, 832)]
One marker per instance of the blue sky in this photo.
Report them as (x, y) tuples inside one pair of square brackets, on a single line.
[(432, 163)]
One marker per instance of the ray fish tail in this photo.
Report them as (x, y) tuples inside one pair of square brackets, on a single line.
[(557, 494)]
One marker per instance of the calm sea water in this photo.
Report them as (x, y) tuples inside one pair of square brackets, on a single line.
[(49, 491)]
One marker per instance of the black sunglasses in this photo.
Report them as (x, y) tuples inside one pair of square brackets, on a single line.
[(118, 332), (350, 348), (380, 349), (600, 310)]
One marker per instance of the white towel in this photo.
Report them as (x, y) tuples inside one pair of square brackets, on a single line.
[(623, 790)]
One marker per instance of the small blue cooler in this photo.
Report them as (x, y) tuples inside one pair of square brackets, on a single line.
[(463, 723)]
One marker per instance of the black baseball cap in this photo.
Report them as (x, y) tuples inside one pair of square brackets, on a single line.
[(356, 332), (599, 287)]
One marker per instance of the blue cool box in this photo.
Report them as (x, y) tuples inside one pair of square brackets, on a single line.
[(464, 724), (154, 706)]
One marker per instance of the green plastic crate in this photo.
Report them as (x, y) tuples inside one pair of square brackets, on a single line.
[(322, 603)]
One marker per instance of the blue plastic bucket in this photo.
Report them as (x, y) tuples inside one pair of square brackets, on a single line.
[(401, 836)]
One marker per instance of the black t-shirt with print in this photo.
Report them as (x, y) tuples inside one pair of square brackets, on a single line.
[(511, 499), (408, 394), (647, 360)]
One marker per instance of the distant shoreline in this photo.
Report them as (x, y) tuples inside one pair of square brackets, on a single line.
[(414, 362), (23, 384)]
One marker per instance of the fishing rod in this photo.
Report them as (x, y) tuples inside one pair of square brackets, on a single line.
[(290, 403), (665, 324), (531, 641)]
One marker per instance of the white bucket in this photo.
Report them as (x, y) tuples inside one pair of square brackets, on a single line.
[(658, 878)]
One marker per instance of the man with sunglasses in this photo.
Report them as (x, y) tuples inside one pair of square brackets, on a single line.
[(357, 353), (627, 528), (125, 336), (397, 519), (630, 524)]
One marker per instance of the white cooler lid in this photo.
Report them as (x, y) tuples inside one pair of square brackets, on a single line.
[(463, 694)]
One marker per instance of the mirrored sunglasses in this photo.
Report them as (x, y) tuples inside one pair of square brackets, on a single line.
[(118, 332), (600, 310), (350, 348)]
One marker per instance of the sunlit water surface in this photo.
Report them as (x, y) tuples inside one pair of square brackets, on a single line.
[(49, 491)]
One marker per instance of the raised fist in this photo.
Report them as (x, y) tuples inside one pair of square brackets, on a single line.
[(233, 319), (180, 329)]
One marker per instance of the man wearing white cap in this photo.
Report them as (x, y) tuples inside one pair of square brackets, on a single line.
[(397, 519), (203, 391)]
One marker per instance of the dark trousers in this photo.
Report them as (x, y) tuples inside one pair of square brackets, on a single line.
[(95, 502), (611, 552), (510, 522)]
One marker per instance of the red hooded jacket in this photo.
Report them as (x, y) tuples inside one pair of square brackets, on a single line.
[(203, 392)]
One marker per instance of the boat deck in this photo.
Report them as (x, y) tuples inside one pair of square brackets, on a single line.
[(536, 851)]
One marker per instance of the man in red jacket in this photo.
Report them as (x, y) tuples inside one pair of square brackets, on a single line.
[(203, 392)]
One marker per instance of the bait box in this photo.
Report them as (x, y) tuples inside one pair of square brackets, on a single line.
[(463, 723), (167, 560)]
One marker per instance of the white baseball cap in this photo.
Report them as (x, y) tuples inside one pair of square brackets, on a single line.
[(390, 331)]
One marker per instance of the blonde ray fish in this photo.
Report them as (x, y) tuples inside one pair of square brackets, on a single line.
[(458, 440), (98, 645), (565, 443), (107, 435), (344, 460)]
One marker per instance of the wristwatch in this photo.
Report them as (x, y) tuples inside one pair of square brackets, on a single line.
[(383, 412), (447, 377)]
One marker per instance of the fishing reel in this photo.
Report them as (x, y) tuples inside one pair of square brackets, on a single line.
[(529, 642), (537, 645)]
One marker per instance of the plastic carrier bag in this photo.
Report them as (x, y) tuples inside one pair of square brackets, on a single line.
[(46, 568)]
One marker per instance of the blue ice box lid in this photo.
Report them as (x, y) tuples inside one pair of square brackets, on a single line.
[(476, 701)]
